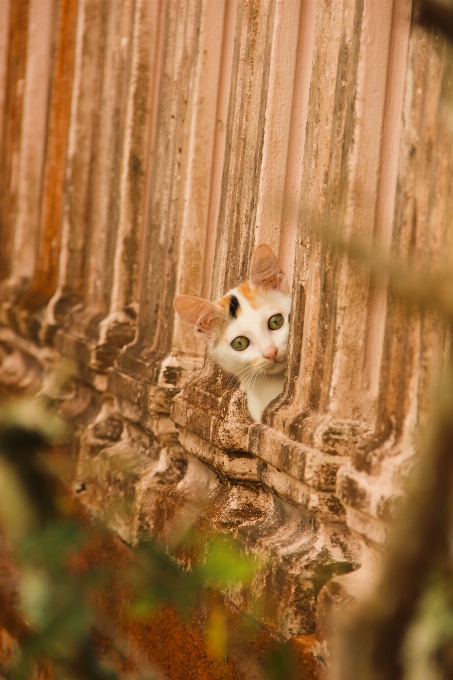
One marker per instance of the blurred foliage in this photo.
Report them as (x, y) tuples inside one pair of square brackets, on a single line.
[(159, 579), (59, 584), (438, 14), (279, 664), (428, 648), (405, 630)]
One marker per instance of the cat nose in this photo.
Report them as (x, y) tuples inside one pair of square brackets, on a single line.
[(270, 353)]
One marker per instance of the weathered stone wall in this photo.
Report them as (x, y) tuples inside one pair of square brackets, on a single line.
[(146, 147)]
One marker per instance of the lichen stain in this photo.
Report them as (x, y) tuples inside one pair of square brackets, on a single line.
[(172, 374), (351, 493)]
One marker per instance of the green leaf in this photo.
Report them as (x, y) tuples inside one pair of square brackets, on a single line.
[(225, 564)]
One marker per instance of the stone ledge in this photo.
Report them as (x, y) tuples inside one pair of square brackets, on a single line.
[(330, 435), (283, 485), (221, 422), (251, 468), (376, 496), (283, 453), (370, 528), (321, 470), (234, 465)]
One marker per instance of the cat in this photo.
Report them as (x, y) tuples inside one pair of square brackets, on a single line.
[(247, 329)]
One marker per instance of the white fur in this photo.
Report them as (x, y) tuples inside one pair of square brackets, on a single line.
[(262, 378)]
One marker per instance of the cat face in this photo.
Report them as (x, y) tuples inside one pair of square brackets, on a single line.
[(254, 332), (247, 329)]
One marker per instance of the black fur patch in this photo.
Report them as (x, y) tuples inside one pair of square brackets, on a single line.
[(234, 306)]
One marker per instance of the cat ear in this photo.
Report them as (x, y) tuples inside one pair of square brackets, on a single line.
[(201, 314), (265, 270)]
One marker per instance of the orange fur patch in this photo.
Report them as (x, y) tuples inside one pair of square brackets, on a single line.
[(250, 295), (225, 303)]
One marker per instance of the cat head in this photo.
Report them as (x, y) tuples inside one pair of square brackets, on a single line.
[(248, 327)]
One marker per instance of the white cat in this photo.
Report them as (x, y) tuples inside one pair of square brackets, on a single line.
[(247, 329)]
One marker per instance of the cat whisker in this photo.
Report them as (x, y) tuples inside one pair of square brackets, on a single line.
[(246, 372), (238, 376), (245, 378), (254, 379), (251, 375)]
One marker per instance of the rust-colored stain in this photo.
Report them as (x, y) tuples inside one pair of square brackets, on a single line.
[(45, 279), (12, 132)]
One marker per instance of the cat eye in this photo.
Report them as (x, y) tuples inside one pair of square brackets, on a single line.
[(275, 322), (240, 343)]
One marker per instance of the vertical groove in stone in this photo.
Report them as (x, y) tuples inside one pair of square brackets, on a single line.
[(221, 117), (12, 127), (102, 180), (345, 127), (43, 284), (167, 183), (167, 187), (423, 207), (387, 190), (312, 268), (119, 325), (280, 176), (106, 177), (4, 31), (85, 103), (33, 137), (297, 135), (244, 144), (204, 150), (273, 190)]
